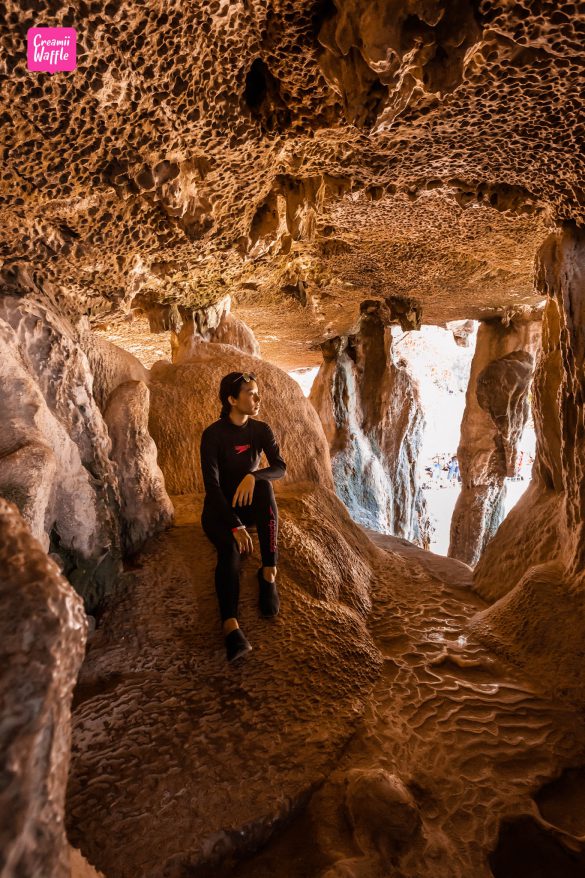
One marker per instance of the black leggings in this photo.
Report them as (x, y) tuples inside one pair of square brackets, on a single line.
[(262, 512)]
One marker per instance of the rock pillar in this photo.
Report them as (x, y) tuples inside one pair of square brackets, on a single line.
[(215, 323), (371, 414), (534, 566), (495, 414)]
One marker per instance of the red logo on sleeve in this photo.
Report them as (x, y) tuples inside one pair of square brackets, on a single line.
[(241, 448)]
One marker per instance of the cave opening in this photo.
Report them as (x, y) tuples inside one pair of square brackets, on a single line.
[(439, 362)]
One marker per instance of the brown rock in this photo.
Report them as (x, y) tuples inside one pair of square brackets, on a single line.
[(54, 444), (502, 391), (546, 578), (41, 648), (530, 534), (180, 760), (145, 506), (80, 868), (184, 400), (519, 626), (215, 324), (496, 411), (462, 331), (337, 136), (110, 366), (533, 531), (547, 526), (382, 811)]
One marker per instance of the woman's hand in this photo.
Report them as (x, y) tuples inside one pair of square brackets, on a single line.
[(244, 491), (244, 540)]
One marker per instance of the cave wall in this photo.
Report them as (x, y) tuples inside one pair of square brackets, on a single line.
[(496, 411), (57, 462), (544, 535), (373, 421), (42, 637)]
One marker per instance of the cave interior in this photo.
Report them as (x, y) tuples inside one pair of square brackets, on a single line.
[(269, 187)]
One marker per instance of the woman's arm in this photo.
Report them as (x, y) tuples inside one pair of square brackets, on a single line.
[(210, 470), (277, 466)]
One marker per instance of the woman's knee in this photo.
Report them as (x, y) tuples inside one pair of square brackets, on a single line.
[(227, 552), (263, 490)]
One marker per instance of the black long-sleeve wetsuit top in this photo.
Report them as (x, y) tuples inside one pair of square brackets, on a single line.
[(228, 453)]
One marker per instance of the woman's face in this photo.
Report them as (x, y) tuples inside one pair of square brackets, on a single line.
[(248, 400)]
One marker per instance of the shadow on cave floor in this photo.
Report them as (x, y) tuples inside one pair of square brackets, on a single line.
[(526, 850), (471, 738), (562, 802)]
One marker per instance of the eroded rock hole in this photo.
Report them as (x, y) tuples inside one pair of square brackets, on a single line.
[(263, 98)]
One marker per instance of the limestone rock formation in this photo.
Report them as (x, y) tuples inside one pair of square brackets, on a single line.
[(545, 581), (301, 158), (110, 366), (327, 142), (373, 422), (531, 533), (518, 626), (496, 411), (225, 754), (145, 507), (184, 400), (54, 462), (215, 323), (383, 812), (452, 746), (43, 631), (502, 392)]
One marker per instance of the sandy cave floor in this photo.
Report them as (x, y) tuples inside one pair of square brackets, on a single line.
[(471, 737)]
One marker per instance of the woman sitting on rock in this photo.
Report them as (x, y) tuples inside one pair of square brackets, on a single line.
[(238, 494)]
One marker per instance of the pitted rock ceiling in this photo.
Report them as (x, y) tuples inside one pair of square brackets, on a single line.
[(311, 153)]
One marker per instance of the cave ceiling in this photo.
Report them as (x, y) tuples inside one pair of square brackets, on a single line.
[(300, 156)]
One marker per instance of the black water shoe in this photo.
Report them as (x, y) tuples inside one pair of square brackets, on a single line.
[(236, 644), (269, 601)]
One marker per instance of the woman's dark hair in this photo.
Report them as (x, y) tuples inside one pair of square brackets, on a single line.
[(231, 385)]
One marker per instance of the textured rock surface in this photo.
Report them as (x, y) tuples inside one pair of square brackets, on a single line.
[(110, 366), (184, 400), (42, 636), (179, 759), (371, 415), (383, 812), (548, 527), (519, 627), (453, 743), (496, 411), (215, 324), (320, 153), (145, 507), (302, 158), (531, 533), (54, 444)]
